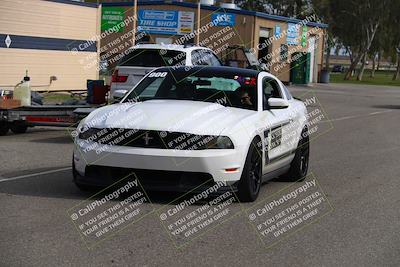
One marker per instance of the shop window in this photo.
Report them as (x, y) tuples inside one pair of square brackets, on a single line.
[(264, 45)]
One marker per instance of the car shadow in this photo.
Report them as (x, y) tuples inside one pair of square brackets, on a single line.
[(387, 106), (61, 185), (54, 140), (53, 185)]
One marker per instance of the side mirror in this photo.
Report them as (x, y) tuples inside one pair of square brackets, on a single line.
[(277, 103)]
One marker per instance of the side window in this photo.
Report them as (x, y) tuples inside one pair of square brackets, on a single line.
[(194, 56), (270, 89), (152, 88), (202, 57), (199, 58), (287, 93), (213, 59)]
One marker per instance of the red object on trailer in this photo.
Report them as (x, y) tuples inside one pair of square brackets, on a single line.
[(20, 118), (49, 119), (100, 93)]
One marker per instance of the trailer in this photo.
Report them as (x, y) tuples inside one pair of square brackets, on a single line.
[(19, 119)]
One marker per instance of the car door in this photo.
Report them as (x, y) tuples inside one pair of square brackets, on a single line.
[(277, 125), (296, 119)]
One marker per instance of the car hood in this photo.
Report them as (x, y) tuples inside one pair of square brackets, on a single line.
[(168, 115)]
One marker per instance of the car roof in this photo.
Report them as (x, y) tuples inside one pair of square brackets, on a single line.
[(175, 47), (212, 70)]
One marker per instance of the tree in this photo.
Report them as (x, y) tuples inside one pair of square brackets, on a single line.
[(291, 8), (288, 8), (322, 7), (397, 73), (380, 44), (387, 40), (356, 23), (256, 5), (395, 34)]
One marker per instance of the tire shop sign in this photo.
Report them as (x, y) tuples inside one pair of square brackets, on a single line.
[(169, 22)]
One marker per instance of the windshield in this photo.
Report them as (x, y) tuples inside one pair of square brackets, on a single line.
[(153, 58), (225, 89)]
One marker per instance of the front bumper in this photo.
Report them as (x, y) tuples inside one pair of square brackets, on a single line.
[(102, 176), (157, 168)]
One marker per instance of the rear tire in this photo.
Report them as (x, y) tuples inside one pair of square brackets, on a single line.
[(18, 127), (250, 181), (299, 166), (3, 128)]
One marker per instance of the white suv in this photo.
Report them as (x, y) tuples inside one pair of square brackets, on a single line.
[(143, 58)]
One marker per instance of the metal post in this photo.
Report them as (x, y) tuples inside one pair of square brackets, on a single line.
[(198, 23), (134, 21), (98, 33)]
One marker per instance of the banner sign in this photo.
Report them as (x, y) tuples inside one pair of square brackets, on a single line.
[(277, 31), (111, 16), (165, 22), (292, 37), (223, 19), (304, 36)]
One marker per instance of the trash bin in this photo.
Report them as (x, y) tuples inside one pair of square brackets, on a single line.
[(324, 76)]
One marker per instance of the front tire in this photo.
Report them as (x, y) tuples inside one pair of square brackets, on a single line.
[(82, 187), (299, 166), (250, 181)]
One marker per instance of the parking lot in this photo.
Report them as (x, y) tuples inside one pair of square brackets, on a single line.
[(356, 163)]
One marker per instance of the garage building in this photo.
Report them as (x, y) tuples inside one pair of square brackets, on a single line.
[(65, 39), (291, 49)]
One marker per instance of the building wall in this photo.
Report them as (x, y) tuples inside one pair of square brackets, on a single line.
[(41, 64), (279, 68), (242, 35), (43, 33)]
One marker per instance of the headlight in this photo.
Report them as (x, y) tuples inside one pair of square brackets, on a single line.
[(186, 141), (220, 142), (86, 133), (81, 127)]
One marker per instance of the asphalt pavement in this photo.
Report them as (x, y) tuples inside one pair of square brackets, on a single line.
[(355, 162)]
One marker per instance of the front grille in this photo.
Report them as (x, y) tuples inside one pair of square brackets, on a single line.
[(150, 178), (132, 138), (149, 139)]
